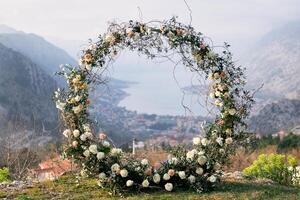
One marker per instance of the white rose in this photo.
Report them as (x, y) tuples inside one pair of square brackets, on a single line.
[(67, 133), (60, 105), (192, 179), (88, 67), (173, 160), (102, 175), (145, 183), (181, 174), (86, 153), (144, 162), (204, 141), (218, 103), (229, 140), (115, 168), (232, 111), (217, 93), (219, 140), (93, 149), (169, 187), (217, 166), (191, 154), (196, 140), (105, 143), (156, 178), (88, 135), (74, 143), (199, 171), (115, 151), (166, 177), (129, 183), (222, 151), (83, 137), (212, 95), (100, 155), (124, 173), (77, 98), (77, 109), (202, 160), (212, 178), (76, 133)]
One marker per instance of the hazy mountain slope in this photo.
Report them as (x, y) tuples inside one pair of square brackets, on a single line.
[(282, 115), (25, 93), (275, 61), (40, 51)]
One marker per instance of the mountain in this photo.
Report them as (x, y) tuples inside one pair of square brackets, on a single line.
[(275, 62), (40, 51), (25, 94), (277, 116)]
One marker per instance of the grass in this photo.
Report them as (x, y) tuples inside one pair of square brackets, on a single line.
[(67, 188)]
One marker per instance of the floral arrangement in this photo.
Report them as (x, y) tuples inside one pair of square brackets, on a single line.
[(197, 168)]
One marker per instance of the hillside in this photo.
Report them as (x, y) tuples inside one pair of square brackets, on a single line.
[(282, 115), (40, 51), (25, 93), (275, 62)]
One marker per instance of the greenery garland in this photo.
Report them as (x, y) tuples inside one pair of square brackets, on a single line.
[(198, 168)]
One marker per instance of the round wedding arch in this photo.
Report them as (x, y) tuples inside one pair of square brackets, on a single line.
[(197, 168)]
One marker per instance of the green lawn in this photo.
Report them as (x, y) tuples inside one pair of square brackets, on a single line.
[(66, 188)]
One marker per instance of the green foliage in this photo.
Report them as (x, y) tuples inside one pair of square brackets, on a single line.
[(289, 142), (4, 174), (277, 167)]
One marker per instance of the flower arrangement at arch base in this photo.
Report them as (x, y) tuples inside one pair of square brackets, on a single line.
[(197, 168)]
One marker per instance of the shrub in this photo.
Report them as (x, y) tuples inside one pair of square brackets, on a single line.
[(4, 174), (277, 167)]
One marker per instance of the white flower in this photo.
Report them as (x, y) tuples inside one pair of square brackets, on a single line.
[(216, 75), (191, 154), (145, 183), (88, 135), (202, 160), (93, 149), (83, 137), (212, 95), (74, 143), (105, 143), (229, 140), (204, 141), (222, 151), (100, 155), (86, 127), (196, 140), (228, 131), (86, 153), (88, 67), (115, 151), (76, 133), (218, 103), (192, 179), (199, 171), (124, 173), (232, 111), (110, 38), (144, 162), (156, 178), (77, 109), (60, 105), (211, 76), (217, 93), (173, 160), (129, 183), (115, 168), (166, 177), (169, 187), (201, 153), (212, 178), (102, 175), (219, 140), (217, 166), (77, 98), (67, 133), (181, 174)]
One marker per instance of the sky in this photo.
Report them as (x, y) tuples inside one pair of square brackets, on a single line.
[(235, 21)]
